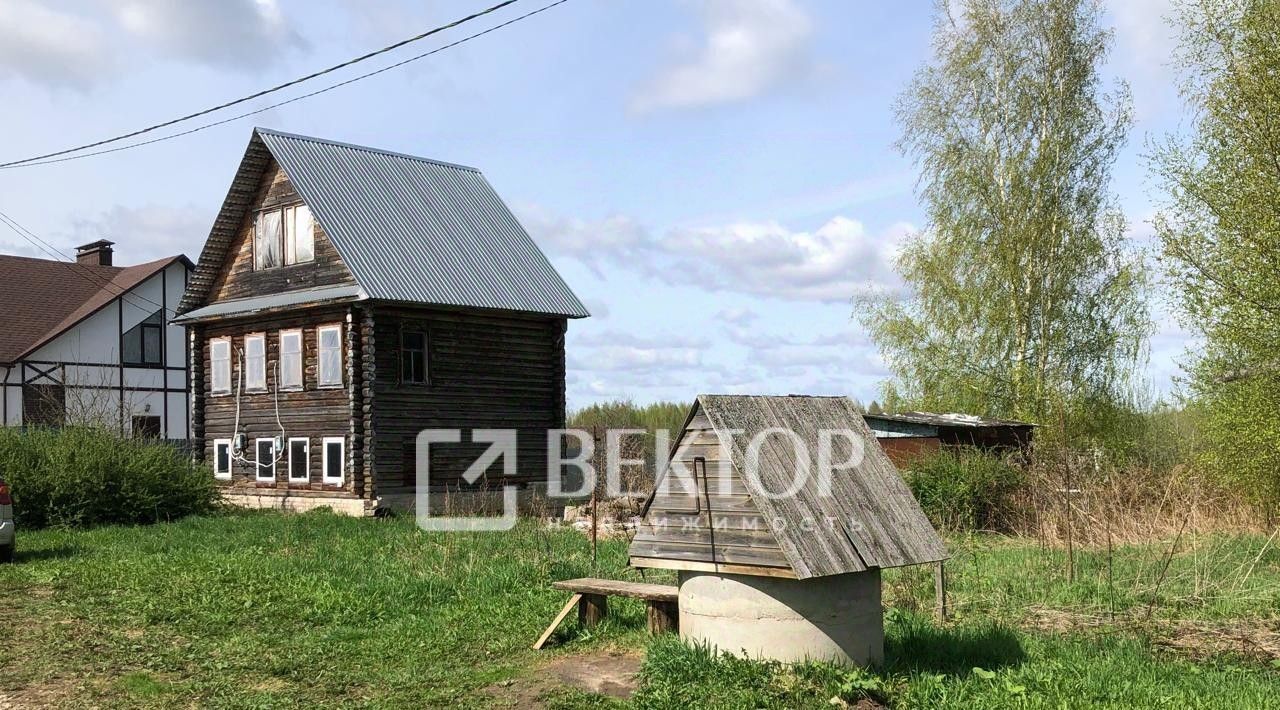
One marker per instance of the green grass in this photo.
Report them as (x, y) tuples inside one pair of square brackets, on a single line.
[(1214, 578), (268, 610)]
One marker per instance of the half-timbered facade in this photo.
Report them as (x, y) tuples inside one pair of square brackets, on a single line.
[(90, 343), (348, 298)]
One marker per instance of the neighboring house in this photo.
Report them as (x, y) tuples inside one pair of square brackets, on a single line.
[(348, 298), (909, 435), (90, 343)]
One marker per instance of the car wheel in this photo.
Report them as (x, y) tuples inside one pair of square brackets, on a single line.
[(6, 553)]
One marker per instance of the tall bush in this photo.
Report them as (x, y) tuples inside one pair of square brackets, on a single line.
[(82, 477), (965, 489)]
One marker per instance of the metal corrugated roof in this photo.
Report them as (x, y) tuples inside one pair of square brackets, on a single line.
[(950, 419), (246, 306), (418, 230)]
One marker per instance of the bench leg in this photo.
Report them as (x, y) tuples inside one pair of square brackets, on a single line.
[(591, 609), (542, 640), (663, 617)]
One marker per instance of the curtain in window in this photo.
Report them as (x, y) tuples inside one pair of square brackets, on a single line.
[(266, 240), (299, 239), (220, 358), (291, 359), (330, 354), (255, 363)]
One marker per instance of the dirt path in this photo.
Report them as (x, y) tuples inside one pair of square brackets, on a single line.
[(610, 672)]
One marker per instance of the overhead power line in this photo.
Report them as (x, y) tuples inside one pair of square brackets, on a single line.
[(246, 114), (264, 92)]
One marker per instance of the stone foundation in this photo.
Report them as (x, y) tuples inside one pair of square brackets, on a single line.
[(836, 618), (357, 507)]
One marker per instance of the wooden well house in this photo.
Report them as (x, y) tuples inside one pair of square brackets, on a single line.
[(776, 556)]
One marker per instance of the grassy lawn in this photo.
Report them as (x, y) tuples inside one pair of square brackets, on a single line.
[(266, 610)]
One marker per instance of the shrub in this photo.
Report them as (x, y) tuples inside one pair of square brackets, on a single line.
[(81, 477), (964, 489)]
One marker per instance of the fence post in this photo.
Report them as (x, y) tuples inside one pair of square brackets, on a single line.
[(940, 589)]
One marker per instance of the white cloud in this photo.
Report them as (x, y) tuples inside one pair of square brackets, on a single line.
[(79, 47), (47, 46), (750, 48), (236, 34), (611, 240), (737, 316), (145, 233), (830, 264)]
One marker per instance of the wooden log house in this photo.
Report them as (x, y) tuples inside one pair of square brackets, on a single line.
[(348, 298)]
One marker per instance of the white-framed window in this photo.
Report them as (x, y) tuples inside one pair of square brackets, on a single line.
[(220, 365), (255, 362), (329, 355), (299, 235), (283, 236), (299, 460), (333, 459), (265, 459), (222, 458), (291, 359)]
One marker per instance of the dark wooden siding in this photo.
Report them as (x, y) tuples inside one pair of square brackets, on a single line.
[(903, 450), (238, 279), (484, 371), (313, 413), (679, 526)]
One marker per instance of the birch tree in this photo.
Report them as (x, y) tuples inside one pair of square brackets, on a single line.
[(1219, 229), (1023, 296)]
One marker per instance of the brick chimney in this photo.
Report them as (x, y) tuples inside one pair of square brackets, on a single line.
[(94, 253)]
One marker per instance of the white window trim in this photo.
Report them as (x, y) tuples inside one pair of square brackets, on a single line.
[(263, 338), (257, 463), (288, 222), (221, 475), (302, 365), (306, 477), (214, 364), (324, 460), (320, 383)]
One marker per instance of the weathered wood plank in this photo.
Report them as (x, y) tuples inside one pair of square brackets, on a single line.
[(619, 588)]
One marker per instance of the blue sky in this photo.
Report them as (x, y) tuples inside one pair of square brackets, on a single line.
[(714, 178)]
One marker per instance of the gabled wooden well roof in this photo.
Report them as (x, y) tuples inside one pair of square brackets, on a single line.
[(409, 229), (867, 519)]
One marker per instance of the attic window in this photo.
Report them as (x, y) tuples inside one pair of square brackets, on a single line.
[(283, 236)]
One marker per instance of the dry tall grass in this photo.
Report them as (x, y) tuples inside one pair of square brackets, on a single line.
[(1072, 497)]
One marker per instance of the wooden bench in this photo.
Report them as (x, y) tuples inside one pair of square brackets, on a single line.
[(591, 596)]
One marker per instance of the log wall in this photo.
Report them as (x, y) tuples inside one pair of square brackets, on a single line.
[(484, 371), (313, 412)]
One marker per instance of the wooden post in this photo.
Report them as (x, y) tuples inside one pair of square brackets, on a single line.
[(940, 589), (662, 617), (591, 609), (595, 462)]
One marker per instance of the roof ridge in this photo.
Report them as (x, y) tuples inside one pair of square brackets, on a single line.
[(45, 260), (367, 149)]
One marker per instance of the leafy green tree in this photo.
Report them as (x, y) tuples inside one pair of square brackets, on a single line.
[(1025, 300), (1219, 228)]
